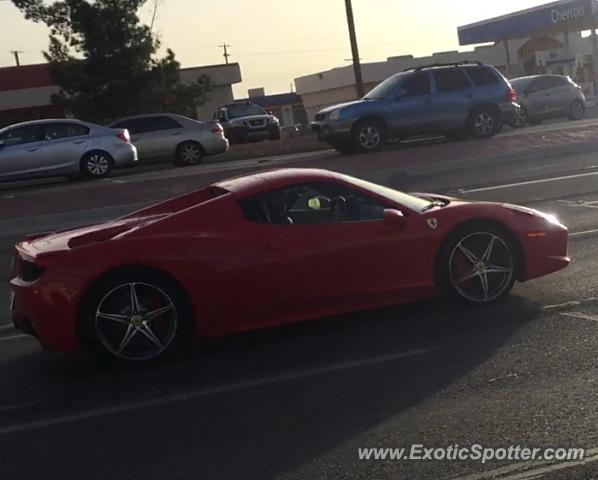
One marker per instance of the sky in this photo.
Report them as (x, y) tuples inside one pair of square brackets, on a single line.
[(276, 41)]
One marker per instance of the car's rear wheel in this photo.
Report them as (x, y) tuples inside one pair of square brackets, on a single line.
[(136, 318), (97, 164), (188, 153), (577, 110), (520, 118), (368, 136), (478, 264), (484, 123)]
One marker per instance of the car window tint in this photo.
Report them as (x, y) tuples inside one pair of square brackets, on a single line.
[(312, 204), (554, 82), (482, 75), (163, 123), (22, 135), (545, 83), (54, 131), (451, 80), (416, 85)]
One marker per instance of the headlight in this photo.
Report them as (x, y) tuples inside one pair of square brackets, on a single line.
[(274, 120), (335, 115)]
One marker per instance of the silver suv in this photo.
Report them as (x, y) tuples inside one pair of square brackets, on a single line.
[(46, 148), (246, 122), (456, 100)]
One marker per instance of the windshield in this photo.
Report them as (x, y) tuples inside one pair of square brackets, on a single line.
[(409, 201), (386, 87), (238, 111)]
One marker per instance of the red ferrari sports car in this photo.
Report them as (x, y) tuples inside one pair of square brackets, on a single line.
[(268, 249)]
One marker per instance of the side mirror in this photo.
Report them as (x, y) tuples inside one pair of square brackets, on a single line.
[(394, 218)]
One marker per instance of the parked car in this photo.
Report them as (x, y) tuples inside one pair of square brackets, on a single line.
[(456, 100), (45, 148), (174, 137), (267, 249), (547, 96), (247, 122)]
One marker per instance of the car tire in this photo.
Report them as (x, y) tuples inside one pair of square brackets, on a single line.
[(577, 110), (188, 153), (96, 164), (150, 326), (484, 123), (520, 118), (477, 264), (368, 136)]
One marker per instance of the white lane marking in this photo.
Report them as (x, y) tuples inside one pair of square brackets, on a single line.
[(571, 303), (15, 337), (580, 315), (584, 232), (528, 182), (205, 392), (532, 469)]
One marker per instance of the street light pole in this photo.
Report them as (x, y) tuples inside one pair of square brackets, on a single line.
[(354, 50)]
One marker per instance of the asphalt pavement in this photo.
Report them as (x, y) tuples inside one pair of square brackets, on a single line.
[(298, 402)]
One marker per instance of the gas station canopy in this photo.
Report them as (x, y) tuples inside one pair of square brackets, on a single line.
[(569, 15)]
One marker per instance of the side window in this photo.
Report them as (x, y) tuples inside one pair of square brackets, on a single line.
[(416, 85), (482, 76), (312, 204), (451, 80), (22, 135), (162, 123), (555, 82), (55, 131), (543, 83)]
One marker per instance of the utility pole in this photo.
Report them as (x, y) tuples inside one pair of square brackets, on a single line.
[(16, 55), (354, 50), (226, 54)]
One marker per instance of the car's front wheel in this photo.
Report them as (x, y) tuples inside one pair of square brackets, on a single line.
[(188, 153), (520, 118), (96, 164), (478, 264), (136, 318), (368, 136), (484, 123)]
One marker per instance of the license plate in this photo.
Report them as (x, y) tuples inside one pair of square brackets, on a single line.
[(12, 301)]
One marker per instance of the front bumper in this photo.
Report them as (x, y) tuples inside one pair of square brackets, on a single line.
[(330, 131), (545, 252), (47, 310)]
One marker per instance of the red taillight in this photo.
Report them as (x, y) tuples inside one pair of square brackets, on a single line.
[(217, 130), (124, 136), (511, 94)]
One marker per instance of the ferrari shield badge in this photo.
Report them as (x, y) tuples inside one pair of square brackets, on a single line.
[(432, 223)]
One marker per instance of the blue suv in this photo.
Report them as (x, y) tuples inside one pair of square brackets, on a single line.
[(456, 100)]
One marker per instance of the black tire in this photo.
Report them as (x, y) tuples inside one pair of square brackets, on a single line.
[(520, 118), (484, 123), (112, 295), (188, 153), (368, 136), (462, 264), (96, 164), (577, 110)]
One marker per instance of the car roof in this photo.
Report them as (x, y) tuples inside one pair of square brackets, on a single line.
[(44, 121), (247, 185), (151, 115)]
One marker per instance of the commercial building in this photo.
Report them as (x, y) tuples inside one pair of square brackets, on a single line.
[(545, 39), (26, 91)]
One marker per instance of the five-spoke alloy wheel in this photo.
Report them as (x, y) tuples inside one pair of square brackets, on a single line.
[(478, 265)]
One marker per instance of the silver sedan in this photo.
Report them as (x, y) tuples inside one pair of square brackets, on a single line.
[(171, 136), (55, 147), (542, 97)]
